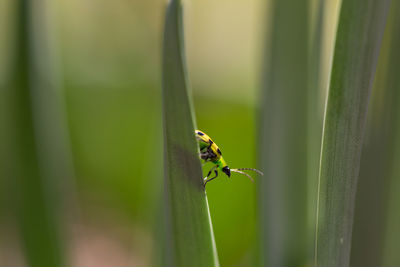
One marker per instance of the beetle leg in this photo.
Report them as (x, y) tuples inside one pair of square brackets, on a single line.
[(207, 156), (216, 175), (204, 155), (211, 170), (206, 179)]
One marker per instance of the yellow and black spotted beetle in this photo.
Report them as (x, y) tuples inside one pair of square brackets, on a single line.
[(209, 151)]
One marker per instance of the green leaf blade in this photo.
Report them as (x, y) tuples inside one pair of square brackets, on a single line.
[(40, 166), (378, 156), (359, 36), (282, 192), (189, 238)]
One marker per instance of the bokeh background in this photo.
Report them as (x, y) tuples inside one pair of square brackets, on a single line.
[(108, 56), (108, 60)]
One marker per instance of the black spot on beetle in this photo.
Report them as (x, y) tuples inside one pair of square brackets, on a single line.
[(219, 151), (211, 142), (200, 133)]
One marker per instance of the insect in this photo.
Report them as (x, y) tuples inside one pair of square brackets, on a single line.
[(210, 152)]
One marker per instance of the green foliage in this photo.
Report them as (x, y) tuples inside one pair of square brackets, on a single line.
[(315, 112), (377, 159), (111, 68), (189, 239), (283, 138), (38, 157), (358, 40), (391, 243)]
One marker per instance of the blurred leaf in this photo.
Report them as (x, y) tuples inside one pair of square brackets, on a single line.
[(189, 239), (316, 91), (39, 164), (283, 139), (377, 157), (358, 40), (391, 240)]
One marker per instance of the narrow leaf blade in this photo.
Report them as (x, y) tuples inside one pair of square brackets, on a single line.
[(378, 155), (189, 238), (358, 40), (39, 159), (283, 138)]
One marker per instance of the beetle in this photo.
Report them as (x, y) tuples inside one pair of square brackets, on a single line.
[(210, 152)]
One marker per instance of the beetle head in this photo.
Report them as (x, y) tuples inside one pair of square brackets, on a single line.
[(227, 171)]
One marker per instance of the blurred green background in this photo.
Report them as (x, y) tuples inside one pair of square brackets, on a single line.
[(108, 58)]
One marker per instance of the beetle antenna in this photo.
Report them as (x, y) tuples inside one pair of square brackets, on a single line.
[(251, 169), (238, 171)]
